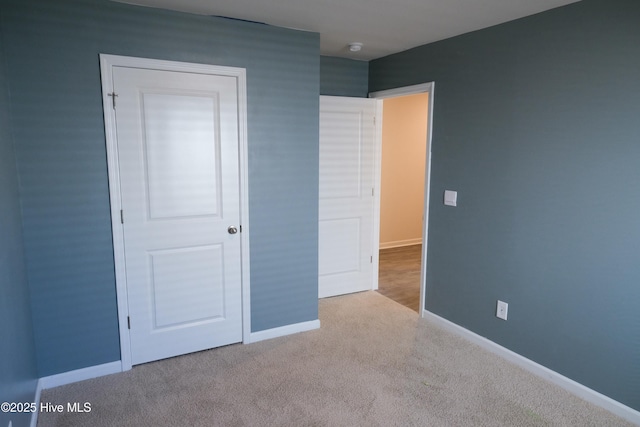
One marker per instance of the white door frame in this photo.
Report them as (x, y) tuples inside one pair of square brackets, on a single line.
[(391, 93), (107, 62)]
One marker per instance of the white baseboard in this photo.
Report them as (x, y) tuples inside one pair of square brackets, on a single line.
[(71, 377), (36, 399), (568, 384), (80, 375), (401, 243), (282, 331)]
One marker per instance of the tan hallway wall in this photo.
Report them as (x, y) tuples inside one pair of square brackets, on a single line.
[(404, 146)]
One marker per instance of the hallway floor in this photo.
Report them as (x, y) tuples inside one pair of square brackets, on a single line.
[(399, 275)]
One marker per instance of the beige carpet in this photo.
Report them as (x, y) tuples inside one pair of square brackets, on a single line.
[(373, 363)]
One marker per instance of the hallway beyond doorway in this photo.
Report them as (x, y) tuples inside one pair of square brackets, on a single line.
[(399, 275)]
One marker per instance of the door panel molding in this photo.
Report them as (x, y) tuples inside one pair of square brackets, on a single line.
[(107, 63)]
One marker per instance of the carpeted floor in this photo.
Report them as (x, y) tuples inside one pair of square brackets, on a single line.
[(372, 363)]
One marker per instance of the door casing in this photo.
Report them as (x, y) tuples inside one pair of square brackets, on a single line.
[(391, 93), (107, 62)]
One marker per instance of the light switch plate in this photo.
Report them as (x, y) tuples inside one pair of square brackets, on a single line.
[(502, 309), (450, 198)]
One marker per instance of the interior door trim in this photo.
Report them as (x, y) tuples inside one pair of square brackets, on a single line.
[(107, 63), (391, 93)]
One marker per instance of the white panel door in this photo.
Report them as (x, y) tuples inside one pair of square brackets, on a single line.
[(345, 241), (177, 136)]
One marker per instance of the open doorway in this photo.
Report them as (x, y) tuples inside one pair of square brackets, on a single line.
[(403, 170)]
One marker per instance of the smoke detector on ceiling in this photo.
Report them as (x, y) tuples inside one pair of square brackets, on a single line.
[(355, 47)]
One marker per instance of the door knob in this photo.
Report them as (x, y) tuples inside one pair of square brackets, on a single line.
[(232, 229)]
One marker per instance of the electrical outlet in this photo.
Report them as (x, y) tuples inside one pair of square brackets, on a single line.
[(501, 310)]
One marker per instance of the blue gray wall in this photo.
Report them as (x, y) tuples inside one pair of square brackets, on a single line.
[(17, 350), (53, 68), (344, 77), (536, 125)]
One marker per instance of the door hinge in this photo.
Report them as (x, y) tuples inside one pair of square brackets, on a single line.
[(121, 216), (371, 260), (113, 96), (128, 322), (372, 192)]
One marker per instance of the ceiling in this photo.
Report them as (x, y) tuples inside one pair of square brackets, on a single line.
[(382, 26)]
